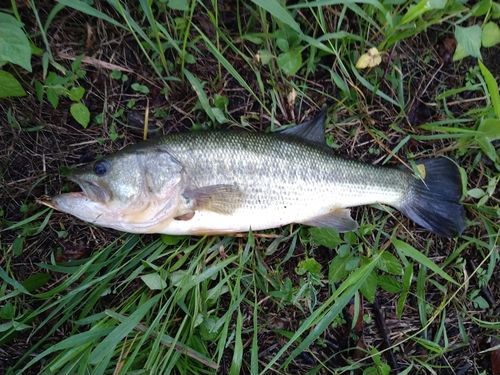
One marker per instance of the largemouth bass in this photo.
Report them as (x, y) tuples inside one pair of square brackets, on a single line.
[(228, 181)]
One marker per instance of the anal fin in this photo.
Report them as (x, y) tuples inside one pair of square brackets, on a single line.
[(338, 218)]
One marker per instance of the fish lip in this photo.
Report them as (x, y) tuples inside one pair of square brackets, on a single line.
[(90, 190)]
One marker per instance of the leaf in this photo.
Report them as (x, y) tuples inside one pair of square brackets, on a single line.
[(470, 40), (369, 59), (14, 45), (290, 62), (178, 5), (309, 265), (490, 131), (389, 284), (10, 86), (264, 56), (476, 193), (369, 287), (76, 93), (154, 281), (52, 97), (8, 311), (389, 263), (328, 237), (36, 281), (80, 113), (338, 269), (490, 35)]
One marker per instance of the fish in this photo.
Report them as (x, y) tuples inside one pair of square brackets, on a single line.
[(224, 182)]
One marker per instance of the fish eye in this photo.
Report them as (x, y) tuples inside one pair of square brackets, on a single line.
[(101, 167)]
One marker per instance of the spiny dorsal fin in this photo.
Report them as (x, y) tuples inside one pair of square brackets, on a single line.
[(312, 130)]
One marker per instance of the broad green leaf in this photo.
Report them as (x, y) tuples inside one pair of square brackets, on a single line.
[(389, 263), (265, 56), (36, 281), (481, 8), (10, 86), (309, 265), (413, 253), (14, 45), (81, 114), (76, 93), (154, 281), (476, 193), (290, 62), (490, 129), (171, 240), (470, 40), (369, 287), (389, 284), (328, 237), (8, 312), (178, 5), (490, 35), (52, 97), (338, 269)]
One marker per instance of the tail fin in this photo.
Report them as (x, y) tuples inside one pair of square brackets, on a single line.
[(433, 202)]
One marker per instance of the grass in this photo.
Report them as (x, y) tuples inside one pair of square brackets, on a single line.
[(75, 299)]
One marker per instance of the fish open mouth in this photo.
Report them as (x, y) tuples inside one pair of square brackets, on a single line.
[(90, 190)]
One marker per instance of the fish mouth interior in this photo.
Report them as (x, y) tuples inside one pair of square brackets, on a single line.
[(91, 190)]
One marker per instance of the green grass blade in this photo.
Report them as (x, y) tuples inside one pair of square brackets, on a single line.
[(413, 253)]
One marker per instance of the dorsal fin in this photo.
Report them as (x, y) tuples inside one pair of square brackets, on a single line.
[(312, 130)]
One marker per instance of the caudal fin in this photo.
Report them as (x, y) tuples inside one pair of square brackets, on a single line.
[(434, 201)]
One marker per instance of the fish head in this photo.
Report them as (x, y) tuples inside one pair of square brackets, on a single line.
[(131, 190)]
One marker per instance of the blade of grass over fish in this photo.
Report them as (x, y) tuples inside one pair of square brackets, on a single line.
[(276, 10), (123, 329), (413, 253), (322, 317)]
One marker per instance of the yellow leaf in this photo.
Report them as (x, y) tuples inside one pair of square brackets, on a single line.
[(370, 59)]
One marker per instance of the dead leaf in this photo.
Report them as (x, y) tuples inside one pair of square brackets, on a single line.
[(370, 59)]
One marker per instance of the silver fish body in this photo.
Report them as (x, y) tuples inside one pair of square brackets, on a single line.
[(227, 182)]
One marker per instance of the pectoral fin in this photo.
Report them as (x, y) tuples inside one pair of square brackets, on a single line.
[(339, 218), (223, 199)]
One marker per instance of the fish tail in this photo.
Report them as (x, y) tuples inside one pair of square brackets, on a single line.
[(433, 201)]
